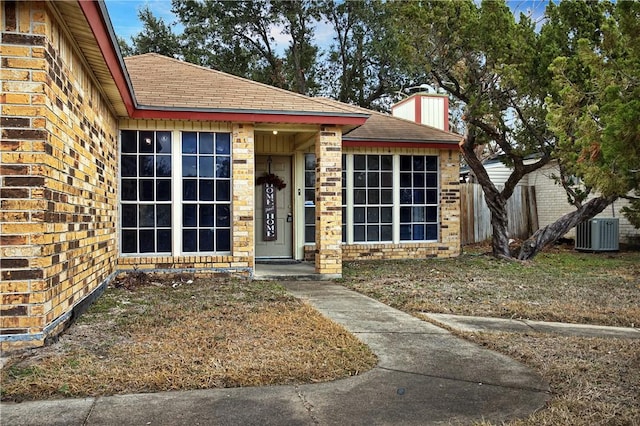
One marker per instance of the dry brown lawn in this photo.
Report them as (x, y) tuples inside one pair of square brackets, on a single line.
[(558, 285), (166, 333), (594, 381), (148, 335)]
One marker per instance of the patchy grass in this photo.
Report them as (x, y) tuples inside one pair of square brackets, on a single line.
[(594, 381), (177, 333), (563, 286)]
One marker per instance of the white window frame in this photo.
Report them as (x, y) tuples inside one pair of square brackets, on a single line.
[(349, 204), (138, 202), (379, 188), (198, 203)]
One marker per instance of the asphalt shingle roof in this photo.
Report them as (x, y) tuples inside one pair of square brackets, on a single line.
[(162, 82), (385, 127)]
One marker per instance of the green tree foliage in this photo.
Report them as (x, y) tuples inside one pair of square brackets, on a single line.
[(300, 65), (487, 61), (362, 67), (242, 37), (125, 49), (239, 37), (499, 69), (155, 37), (596, 113), (233, 37)]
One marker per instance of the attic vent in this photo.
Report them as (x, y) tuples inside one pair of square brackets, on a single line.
[(597, 235)]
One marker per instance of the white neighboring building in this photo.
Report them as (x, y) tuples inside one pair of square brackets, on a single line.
[(551, 198), (497, 171), (552, 203), (430, 109)]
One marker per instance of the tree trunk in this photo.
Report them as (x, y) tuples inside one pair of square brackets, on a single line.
[(499, 225), (495, 200), (552, 232)]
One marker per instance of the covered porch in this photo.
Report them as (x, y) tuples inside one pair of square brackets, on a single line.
[(283, 220)]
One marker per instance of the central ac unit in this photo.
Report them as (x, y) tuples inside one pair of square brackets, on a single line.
[(598, 235)]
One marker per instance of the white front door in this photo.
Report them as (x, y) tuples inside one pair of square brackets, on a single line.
[(282, 246)]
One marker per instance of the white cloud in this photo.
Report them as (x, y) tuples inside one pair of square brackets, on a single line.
[(282, 40), (324, 34)]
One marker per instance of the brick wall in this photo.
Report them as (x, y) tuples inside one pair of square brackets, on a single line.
[(58, 174), (450, 237), (328, 256), (243, 193)]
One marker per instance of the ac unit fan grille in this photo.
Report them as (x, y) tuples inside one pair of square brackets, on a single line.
[(598, 235)]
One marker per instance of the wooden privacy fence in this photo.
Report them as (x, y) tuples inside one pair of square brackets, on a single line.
[(475, 216)]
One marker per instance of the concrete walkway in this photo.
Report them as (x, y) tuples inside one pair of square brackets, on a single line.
[(425, 376), (499, 325)]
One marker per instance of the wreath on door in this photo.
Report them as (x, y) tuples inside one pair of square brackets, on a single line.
[(271, 179)]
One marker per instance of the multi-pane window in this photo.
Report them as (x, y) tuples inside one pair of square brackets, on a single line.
[(154, 171), (369, 187), (418, 198), (309, 198), (146, 192), (206, 192), (372, 198), (344, 198)]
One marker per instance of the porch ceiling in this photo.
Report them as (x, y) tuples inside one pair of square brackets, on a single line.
[(301, 136)]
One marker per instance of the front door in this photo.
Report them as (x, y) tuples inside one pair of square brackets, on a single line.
[(282, 224)]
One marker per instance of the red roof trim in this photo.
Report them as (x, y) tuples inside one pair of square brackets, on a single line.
[(157, 114), (100, 30), (446, 114), (401, 144)]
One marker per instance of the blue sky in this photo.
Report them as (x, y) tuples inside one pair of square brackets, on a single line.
[(124, 14), (124, 17)]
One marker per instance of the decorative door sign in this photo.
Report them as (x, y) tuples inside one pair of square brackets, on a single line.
[(270, 231), (270, 183)]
